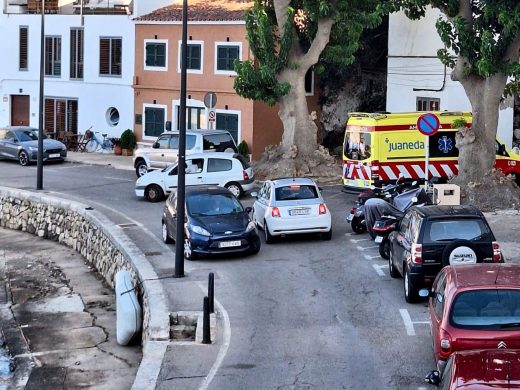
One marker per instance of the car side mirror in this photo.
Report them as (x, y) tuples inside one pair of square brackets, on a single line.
[(156, 145), (249, 209), (254, 194), (433, 378), (425, 293)]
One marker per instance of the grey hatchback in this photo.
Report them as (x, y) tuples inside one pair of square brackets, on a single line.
[(21, 143)]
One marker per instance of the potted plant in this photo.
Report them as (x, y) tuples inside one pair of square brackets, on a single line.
[(243, 149), (117, 146), (128, 142)]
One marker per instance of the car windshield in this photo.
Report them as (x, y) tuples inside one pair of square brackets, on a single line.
[(296, 192), (487, 309), (26, 135), (461, 229), (213, 204)]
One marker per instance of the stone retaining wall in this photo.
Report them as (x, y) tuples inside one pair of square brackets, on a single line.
[(103, 245)]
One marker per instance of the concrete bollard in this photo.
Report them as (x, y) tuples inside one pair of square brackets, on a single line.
[(211, 292)]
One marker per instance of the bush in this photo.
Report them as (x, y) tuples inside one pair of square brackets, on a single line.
[(458, 123), (128, 139), (243, 149)]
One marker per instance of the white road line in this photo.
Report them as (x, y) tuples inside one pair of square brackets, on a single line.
[(368, 257), (117, 178), (349, 234), (378, 269), (408, 324), (223, 348), (360, 248), (356, 241)]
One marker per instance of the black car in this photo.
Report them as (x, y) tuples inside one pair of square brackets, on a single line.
[(216, 222), (431, 237)]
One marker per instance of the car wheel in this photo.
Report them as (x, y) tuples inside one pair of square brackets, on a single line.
[(391, 269), (463, 250), (188, 251), (411, 293), (153, 193), (165, 235), (327, 235), (235, 189), (141, 168), (384, 248), (357, 226), (268, 237), (23, 158)]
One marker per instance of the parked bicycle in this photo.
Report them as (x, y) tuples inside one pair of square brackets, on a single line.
[(95, 143)]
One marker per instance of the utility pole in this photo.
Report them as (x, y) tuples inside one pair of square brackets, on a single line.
[(39, 167)]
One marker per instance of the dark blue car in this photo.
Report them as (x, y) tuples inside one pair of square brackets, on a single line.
[(216, 222)]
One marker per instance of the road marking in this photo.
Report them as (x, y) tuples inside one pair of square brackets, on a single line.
[(408, 323), (349, 234), (356, 241), (116, 178), (368, 257), (379, 269), (360, 248)]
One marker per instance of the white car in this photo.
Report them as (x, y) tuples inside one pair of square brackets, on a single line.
[(291, 206), (228, 170)]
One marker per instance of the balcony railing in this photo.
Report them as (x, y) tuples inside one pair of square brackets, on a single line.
[(69, 7)]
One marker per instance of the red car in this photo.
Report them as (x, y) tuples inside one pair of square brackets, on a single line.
[(479, 369), (474, 307)]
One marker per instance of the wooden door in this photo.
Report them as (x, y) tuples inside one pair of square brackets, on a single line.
[(19, 110)]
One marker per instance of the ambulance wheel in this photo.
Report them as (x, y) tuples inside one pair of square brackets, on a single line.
[(358, 226)]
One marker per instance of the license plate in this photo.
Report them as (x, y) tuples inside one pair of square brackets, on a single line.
[(378, 239), (229, 244), (350, 217), (299, 212), (54, 155)]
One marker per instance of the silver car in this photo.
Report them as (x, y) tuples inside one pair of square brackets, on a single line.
[(21, 143)]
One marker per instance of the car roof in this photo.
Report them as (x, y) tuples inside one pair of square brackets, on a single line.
[(225, 155), (206, 189), (199, 131), (437, 211), (485, 275), (487, 367), (285, 181)]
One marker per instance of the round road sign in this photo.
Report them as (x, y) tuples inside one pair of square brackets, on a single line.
[(210, 99), (428, 124)]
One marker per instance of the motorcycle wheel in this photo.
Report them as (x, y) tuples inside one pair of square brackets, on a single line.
[(384, 248), (358, 226)]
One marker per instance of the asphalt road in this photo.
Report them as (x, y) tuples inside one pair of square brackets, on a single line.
[(304, 313)]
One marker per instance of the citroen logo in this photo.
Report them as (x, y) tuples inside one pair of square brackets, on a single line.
[(228, 232), (502, 345)]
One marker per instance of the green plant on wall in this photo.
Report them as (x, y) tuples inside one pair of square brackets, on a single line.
[(243, 149), (128, 139), (458, 123)]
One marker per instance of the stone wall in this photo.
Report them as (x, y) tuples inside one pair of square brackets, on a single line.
[(104, 246)]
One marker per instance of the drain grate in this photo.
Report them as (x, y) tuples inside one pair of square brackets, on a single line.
[(152, 253), (126, 225), (183, 325)]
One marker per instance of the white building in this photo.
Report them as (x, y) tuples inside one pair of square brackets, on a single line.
[(418, 81), (89, 63)]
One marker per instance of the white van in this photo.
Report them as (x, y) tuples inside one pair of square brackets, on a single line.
[(232, 171), (165, 149)]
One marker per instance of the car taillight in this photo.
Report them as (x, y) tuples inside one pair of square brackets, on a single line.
[(445, 344), (353, 210), (497, 255), (323, 208), (245, 175), (382, 229), (275, 213), (417, 253)]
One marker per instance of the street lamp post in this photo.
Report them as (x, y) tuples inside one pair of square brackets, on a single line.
[(179, 241), (39, 168)]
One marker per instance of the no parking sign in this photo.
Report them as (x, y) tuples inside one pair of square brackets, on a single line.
[(428, 124)]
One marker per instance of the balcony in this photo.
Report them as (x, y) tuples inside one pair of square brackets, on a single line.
[(69, 7)]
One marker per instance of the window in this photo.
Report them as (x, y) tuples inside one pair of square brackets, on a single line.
[(61, 114), (228, 122), (23, 53), (309, 83), (463, 229), (428, 104), (194, 166), (164, 142), (438, 302), (218, 143), (76, 53), (153, 121), (195, 117), (295, 192), (156, 54), (110, 53), (226, 53), (52, 56), (194, 57), (357, 145), (219, 165)]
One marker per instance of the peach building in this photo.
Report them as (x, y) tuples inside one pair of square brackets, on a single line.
[(216, 36)]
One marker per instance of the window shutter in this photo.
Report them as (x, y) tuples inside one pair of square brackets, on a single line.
[(49, 115), (76, 54), (115, 68), (61, 108), (104, 56), (48, 56), (72, 116), (24, 35)]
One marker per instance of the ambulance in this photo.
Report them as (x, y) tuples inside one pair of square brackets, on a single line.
[(380, 147)]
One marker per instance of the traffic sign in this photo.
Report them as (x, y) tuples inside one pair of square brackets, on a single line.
[(210, 99), (428, 124), (212, 115)]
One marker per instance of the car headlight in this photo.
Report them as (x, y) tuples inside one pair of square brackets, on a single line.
[(32, 148), (200, 230), (250, 226)]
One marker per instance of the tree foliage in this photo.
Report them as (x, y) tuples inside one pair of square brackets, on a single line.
[(272, 43)]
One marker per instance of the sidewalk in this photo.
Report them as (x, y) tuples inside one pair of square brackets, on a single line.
[(106, 159)]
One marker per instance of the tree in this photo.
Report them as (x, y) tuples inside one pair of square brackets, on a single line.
[(482, 43), (287, 38)]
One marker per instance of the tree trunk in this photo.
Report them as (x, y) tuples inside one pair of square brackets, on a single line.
[(477, 144), (299, 126)]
